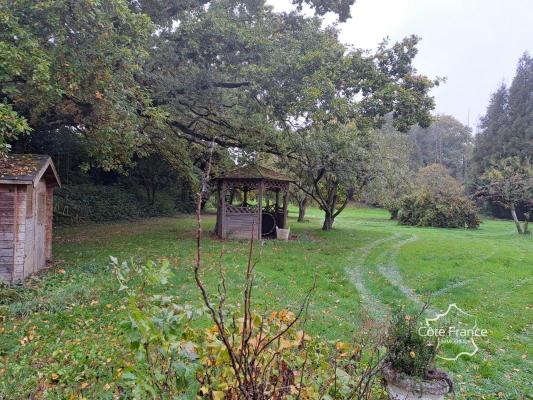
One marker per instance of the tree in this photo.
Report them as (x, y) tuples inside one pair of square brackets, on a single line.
[(519, 138), (436, 179), (509, 182), (74, 65), (153, 173), (22, 61), (391, 176), (133, 78), (446, 141), (333, 162), (298, 195), (507, 127), (330, 143), (489, 141), (205, 77)]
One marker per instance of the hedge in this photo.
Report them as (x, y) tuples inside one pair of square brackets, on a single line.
[(98, 203)]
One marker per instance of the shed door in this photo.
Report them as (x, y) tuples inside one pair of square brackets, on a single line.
[(40, 226), (7, 220)]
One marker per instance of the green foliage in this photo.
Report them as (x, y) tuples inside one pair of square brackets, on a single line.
[(506, 126), (75, 65), (439, 201), (446, 141), (409, 352), (233, 73), (321, 7), (98, 203), (159, 333), (423, 208), (11, 125), (153, 186), (80, 337), (391, 176), (175, 360), (332, 166), (22, 62), (509, 183)]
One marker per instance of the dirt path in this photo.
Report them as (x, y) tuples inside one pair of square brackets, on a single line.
[(385, 265)]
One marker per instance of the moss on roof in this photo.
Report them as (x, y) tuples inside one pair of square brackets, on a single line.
[(21, 167)]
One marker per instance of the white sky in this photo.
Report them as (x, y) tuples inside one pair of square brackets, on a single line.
[(476, 44)]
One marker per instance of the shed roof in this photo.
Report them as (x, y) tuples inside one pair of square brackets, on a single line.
[(27, 169), (254, 171)]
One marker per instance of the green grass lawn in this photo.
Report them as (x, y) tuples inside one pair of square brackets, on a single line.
[(59, 334)]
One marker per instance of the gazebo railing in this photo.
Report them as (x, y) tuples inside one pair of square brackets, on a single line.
[(230, 209)]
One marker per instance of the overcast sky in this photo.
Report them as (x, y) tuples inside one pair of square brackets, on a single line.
[(476, 44)]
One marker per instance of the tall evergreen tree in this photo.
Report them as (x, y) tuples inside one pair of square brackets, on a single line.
[(488, 142), (519, 137), (507, 127)]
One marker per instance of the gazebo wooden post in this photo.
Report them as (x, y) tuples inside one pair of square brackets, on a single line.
[(222, 226), (260, 190), (285, 206), (217, 222), (277, 199)]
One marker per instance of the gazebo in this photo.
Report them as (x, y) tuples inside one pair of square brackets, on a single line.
[(251, 196)]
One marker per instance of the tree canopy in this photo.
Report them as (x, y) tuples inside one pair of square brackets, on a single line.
[(128, 76), (509, 182), (153, 78), (507, 126), (446, 141)]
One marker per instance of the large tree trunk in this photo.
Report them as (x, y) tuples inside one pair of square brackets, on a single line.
[(328, 222), (329, 210), (516, 221), (302, 206)]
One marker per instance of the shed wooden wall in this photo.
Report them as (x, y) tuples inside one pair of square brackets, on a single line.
[(26, 215), (12, 231), (39, 226), (49, 223), (7, 202)]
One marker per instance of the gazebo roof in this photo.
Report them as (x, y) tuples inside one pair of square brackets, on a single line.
[(255, 172), (27, 169)]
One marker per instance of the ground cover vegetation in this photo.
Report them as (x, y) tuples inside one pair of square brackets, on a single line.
[(62, 332)]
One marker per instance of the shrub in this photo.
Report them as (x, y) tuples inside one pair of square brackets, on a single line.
[(245, 354), (99, 203), (439, 201), (423, 208), (407, 351)]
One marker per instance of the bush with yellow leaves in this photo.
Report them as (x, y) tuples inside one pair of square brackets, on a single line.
[(244, 355)]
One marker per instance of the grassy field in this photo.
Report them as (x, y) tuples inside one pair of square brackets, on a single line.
[(59, 334)]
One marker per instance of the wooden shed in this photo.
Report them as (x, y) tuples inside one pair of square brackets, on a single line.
[(27, 183), (251, 196)]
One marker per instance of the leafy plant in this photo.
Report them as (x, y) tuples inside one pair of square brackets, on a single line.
[(439, 201), (509, 182), (423, 208), (159, 333), (407, 351), (245, 355)]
